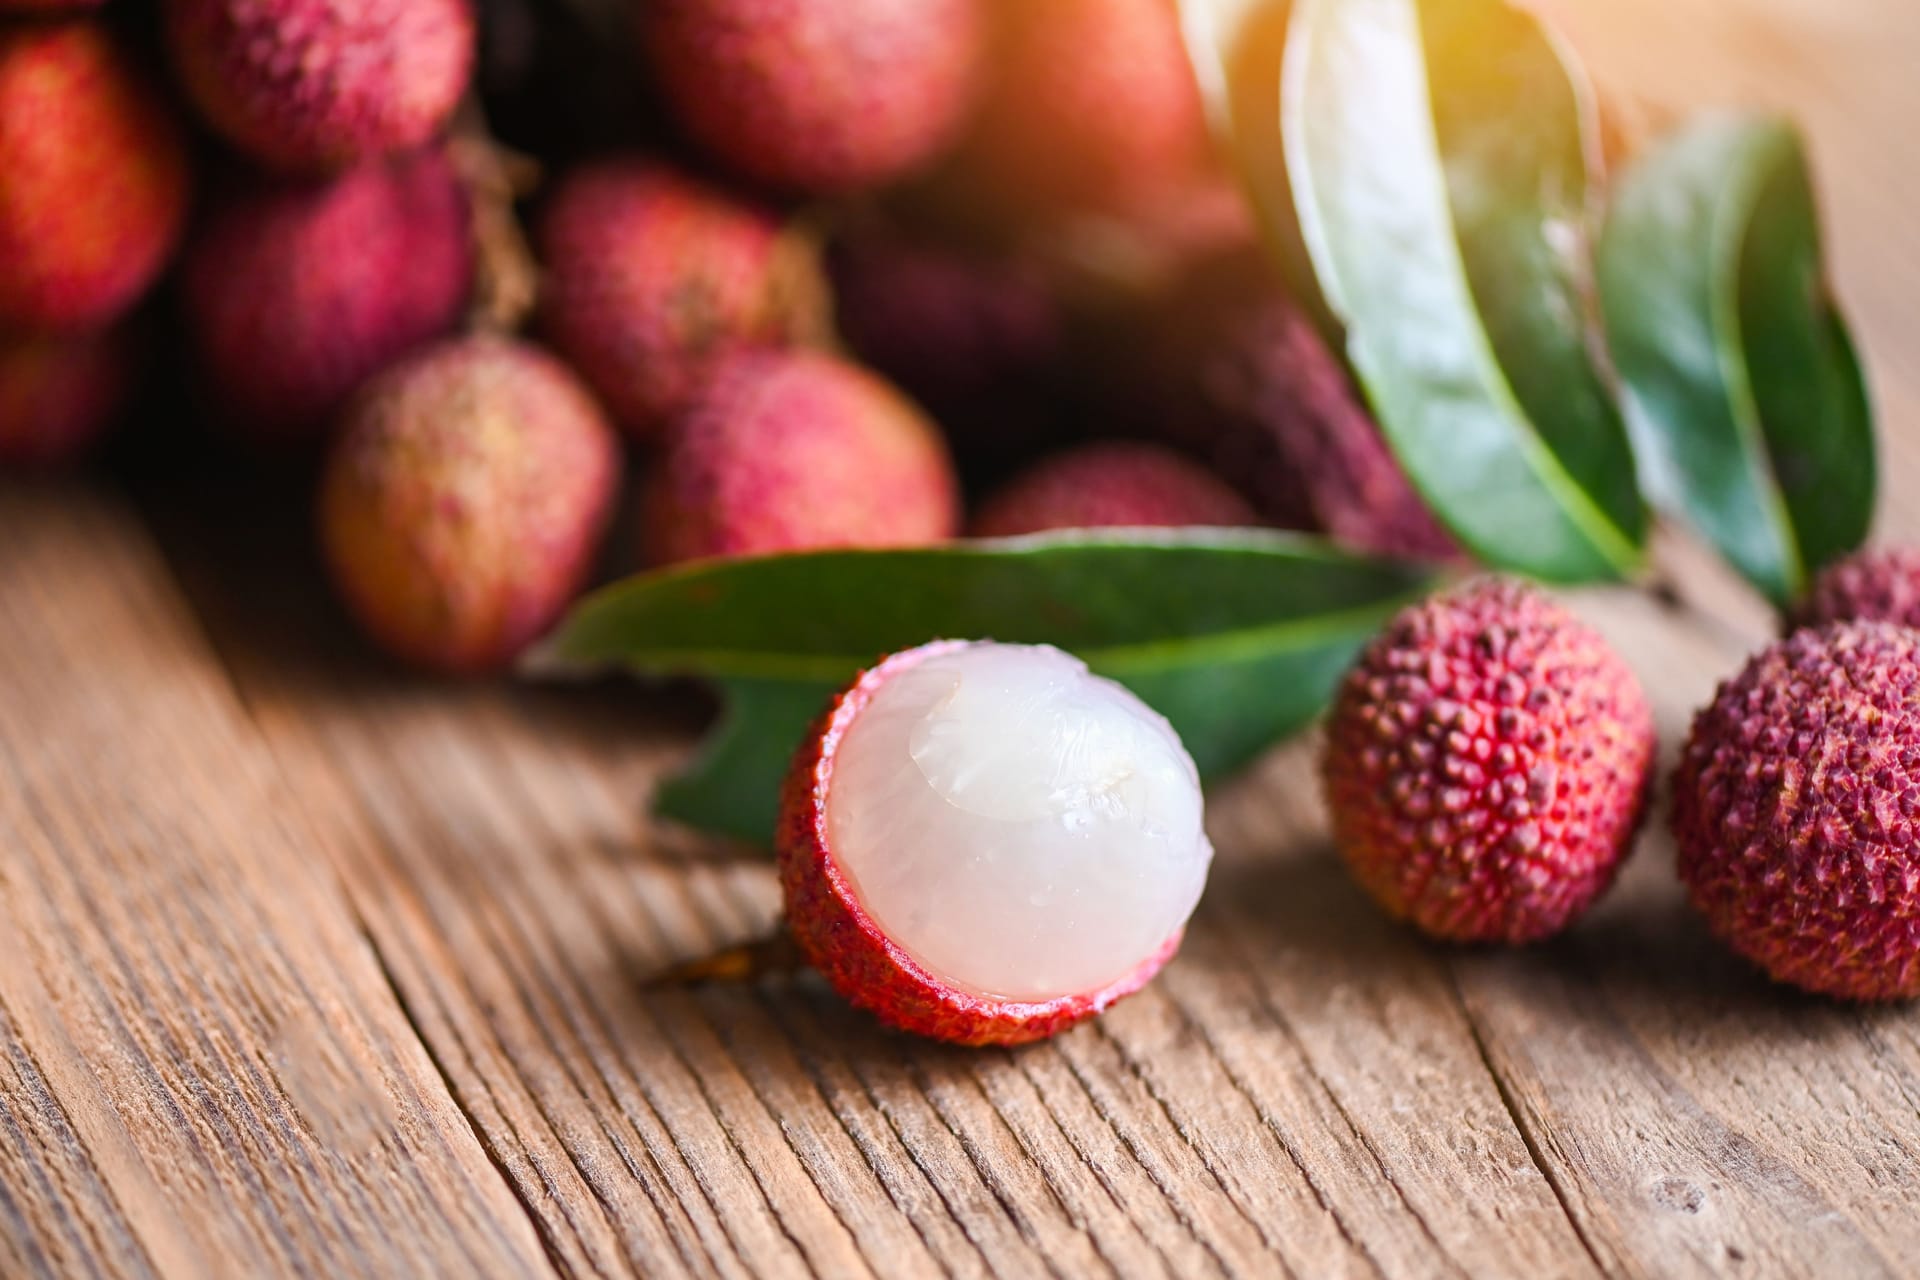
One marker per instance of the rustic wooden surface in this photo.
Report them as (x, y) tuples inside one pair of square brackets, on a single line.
[(312, 968)]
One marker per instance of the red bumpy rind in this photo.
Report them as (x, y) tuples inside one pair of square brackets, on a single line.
[(844, 943)]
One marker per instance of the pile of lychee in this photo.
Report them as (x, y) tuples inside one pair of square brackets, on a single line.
[(765, 276)]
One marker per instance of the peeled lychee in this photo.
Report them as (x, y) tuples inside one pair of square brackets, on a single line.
[(463, 502), (977, 337), (1090, 105), (1110, 485), (653, 276), (1232, 370), (59, 393), (985, 843), (814, 97), (295, 294), (1795, 807), (788, 451), (311, 86), (1487, 765), (93, 178), (1881, 585)]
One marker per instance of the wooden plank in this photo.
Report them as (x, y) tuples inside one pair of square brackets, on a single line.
[(517, 893), (202, 1069)]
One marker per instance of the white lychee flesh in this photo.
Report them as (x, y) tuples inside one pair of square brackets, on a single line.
[(1022, 828)]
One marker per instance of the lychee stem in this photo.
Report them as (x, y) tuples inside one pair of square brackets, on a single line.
[(506, 275), (774, 956)]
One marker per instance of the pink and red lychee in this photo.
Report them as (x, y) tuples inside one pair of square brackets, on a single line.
[(1487, 765), (1796, 807), (1091, 105), (1110, 485), (812, 97), (653, 276), (463, 502), (311, 86), (1876, 585), (295, 294), (986, 844), (93, 178), (789, 451)]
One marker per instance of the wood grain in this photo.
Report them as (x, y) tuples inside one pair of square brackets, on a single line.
[(315, 967), (202, 1070)]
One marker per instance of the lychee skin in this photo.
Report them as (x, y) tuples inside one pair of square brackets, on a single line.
[(312, 86), (1091, 106), (652, 276), (464, 499), (295, 294), (821, 98), (857, 958), (94, 179), (1879, 585), (59, 393), (1232, 370), (790, 451), (1487, 764), (1794, 807), (1111, 485)]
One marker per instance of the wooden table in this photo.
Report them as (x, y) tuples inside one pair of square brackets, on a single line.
[(311, 968)]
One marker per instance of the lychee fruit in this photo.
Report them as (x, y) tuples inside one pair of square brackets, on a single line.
[(1796, 807), (1879, 585), (976, 336), (312, 86), (463, 502), (789, 451), (1487, 764), (1110, 485), (1230, 369), (58, 394), (1090, 105), (812, 97), (93, 178), (295, 294), (986, 843), (653, 276)]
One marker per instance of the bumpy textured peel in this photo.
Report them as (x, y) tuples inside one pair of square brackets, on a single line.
[(1795, 807), (1879, 585), (1487, 765)]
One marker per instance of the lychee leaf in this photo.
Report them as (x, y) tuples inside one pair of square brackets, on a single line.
[(1236, 636), (1440, 160), (1751, 413)]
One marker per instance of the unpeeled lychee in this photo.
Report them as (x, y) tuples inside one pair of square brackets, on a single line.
[(814, 97), (463, 501), (310, 86), (1796, 806), (652, 276), (93, 178), (295, 294), (1232, 370), (1487, 764), (1110, 485), (59, 393), (1879, 585), (788, 451), (986, 844), (1091, 105)]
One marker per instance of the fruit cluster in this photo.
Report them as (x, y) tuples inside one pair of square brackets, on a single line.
[(1489, 758), (821, 274)]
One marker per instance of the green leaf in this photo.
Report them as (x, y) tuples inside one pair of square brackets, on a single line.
[(1743, 388), (1440, 157), (1236, 636)]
